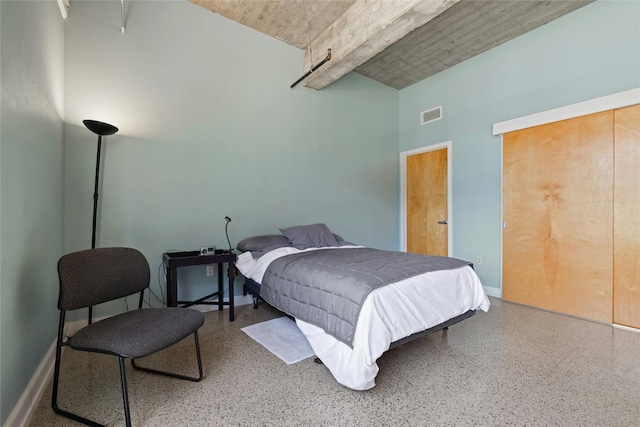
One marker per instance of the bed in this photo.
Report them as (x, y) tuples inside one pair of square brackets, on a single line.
[(354, 303)]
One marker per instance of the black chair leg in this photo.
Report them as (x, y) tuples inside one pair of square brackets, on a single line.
[(195, 336), (173, 375), (125, 391), (56, 380), (56, 370)]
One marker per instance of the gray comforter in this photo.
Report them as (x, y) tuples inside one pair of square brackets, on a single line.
[(327, 287)]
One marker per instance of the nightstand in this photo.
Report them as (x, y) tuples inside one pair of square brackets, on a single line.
[(175, 260)]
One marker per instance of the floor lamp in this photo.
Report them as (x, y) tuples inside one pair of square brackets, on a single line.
[(101, 129)]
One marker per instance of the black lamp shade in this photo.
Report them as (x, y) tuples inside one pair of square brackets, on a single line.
[(100, 128)]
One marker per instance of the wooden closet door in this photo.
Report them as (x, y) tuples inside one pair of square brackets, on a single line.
[(427, 201), (558, 210), (626, 265)]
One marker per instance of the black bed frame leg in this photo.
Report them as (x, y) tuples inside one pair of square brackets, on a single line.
[(255, 302)]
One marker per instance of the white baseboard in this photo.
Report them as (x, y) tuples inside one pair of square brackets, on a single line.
[(24, 409), (626, 328), (492, 292), (238, 300)]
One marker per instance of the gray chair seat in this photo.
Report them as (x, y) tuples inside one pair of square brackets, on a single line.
[(138, 333)]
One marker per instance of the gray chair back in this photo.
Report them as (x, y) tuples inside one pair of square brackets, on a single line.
[(94, 276)]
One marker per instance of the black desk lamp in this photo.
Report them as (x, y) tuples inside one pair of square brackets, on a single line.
[(226, 231), (101, 129)]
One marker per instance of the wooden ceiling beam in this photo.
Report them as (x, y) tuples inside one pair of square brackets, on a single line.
[(364, 30)]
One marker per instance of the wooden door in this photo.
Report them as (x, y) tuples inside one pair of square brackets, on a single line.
[(558, 210), (626, 238), (427, 203)]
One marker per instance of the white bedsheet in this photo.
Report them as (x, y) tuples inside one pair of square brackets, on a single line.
[(388, 314)]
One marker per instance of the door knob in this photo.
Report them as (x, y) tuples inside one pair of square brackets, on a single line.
[(444, 221)]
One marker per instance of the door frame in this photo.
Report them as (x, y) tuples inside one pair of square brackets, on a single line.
[(403, 192), (570, 111), (595, 105)]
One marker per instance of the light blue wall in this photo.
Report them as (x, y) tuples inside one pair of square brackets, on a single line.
[(208, 128), (592, 52), (31, 196)]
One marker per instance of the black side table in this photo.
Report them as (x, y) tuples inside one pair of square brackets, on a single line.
[(174, 260)]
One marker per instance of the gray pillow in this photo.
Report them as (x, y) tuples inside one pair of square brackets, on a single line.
[(263, 243), (310, 236), (341, 241)]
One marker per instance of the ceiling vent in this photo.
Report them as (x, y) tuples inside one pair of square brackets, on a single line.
[(431, 115)]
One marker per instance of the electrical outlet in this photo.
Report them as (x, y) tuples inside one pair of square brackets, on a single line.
[(478, 260), (209, 270)]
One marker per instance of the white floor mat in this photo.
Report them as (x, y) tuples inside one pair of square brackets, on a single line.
[(281, 337)]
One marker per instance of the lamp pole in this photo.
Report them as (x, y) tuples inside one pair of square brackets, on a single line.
[(95, 194), (101, 129)]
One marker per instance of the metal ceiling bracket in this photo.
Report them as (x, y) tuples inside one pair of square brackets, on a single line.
[(64, 5), (122, 14), (315, 67)]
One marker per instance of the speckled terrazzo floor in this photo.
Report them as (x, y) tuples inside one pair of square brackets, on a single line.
[(511, 366)]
